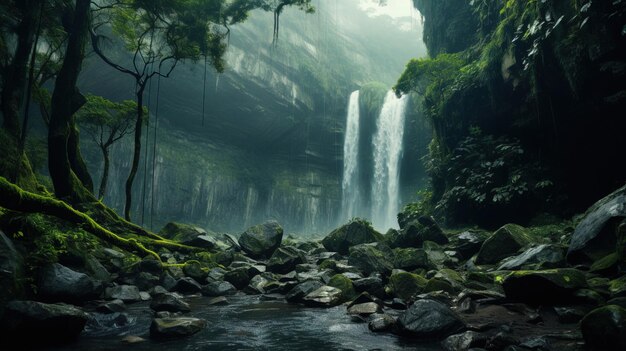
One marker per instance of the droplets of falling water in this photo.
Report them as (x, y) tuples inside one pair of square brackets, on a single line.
[(387, 149), (350, 185)]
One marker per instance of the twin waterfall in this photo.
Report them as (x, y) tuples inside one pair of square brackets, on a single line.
[(384, 186)]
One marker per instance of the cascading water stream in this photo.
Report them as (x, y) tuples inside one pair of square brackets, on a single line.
[(387, 149), (350, 185)]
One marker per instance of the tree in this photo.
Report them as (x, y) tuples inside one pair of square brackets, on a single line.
[(160, 34), (106, 122)]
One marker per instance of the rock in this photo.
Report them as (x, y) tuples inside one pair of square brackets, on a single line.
[(354, 233), (257, 284), (371, 258), (464, 341), (149, 265), (30, 322), (195, 270), (416, 233), (132, 339), (188, 235), (96, 269), (505, 242), (352, 276), (216, 274), (429, 319), (543, 287), (344, 284), (621, 246), (11, 270), (170, 303), (166, 328), (111, 307), (617, 287), (365, 309), (219, 288), (595, 235), (285, 259), (545, 256), (607, 266), (187, 285), (571, 314), (372, 285), (144, 280), (381, 323), (261, 240), (58, 283), (411, 259), (238, 277), (301, 290), (325, 296), (605, 328), (218, 301), (225, 258), (126, 293), (468, 243), (406, 285), (100, 321)]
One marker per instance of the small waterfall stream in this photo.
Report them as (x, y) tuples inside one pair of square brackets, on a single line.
[(350, 186)]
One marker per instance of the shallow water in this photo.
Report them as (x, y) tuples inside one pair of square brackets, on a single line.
[(248, 323)]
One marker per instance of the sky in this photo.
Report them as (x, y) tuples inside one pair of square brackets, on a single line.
[(402, 11)]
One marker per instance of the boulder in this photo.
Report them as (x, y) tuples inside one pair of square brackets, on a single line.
[(381, 322), (415, 233), (621, 246), (371, 258), (325, 296), (187, 285), (167, 328), (544, 256), (218, 288), (406, 285), (196, 270), (365, 309), (344, 284), (301, 290), (505, 242), (429, 319), (595, 235), (285, 259), (262, 240), (170, 303), (544, 287), (411, 259), (11, 270), (354, 233), (35, 322), (372, 285), (58, 283), (111, 306), (468, 243), (605, 328), (126, 293), (238, 277), (188, 235), (464, 341)]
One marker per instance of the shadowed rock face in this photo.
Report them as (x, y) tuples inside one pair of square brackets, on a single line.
[(429, 319)]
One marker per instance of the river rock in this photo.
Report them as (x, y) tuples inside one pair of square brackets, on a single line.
[(595, 235), (543, 287), (301, 290), (325, 296), (35, 322), (111, 306), (188, 235), (170, 303), (344, 284), (429, 319), (411, 258), (505, 242), (58, 283), (372, 285), (365, 309), (285, 259), (11, 269), (406, 285), (262, 240), (126, 293), (354, 233), (468, 243), (464, 341), (548, 256), (238, 277), (166, 328), (187, 285), (605, 328), (195, 270), (381, 322), (218, 288), (371, 258)]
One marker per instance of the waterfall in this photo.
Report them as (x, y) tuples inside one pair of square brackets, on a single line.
[(387, 149), (350, 185)]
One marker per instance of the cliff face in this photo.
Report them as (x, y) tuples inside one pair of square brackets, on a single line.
[(526, 104)]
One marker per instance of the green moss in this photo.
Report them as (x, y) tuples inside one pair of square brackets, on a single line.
[(438, 284), (617, 287), (344, 284), (328, 264), (406, 285)]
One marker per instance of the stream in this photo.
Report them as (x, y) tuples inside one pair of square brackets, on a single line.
[(250, 323)]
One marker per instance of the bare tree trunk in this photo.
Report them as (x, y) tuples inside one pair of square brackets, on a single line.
[(105, 171), (136, 152)]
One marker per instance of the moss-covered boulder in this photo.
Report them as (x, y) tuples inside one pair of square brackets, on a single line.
[(325, 296), (605, 328), (356, 232), (544, 287), (260, 241), (285, 259), (344, 284), (188, 235), (371, 258), (595, 235), (416, 233), (617, 287), (196, 270), (406, 285), (410, 259), (541, 256), (58, 283), (438, 284), (429, 319), (177, 327), (238, 277), (505, 242)]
